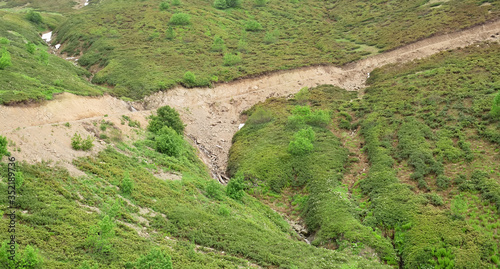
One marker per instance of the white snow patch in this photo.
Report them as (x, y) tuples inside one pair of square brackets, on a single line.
[(47, 37), (241, 126), (58, 46), (86, 3)]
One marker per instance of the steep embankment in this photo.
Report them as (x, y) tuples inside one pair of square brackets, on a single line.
[(212, 115)]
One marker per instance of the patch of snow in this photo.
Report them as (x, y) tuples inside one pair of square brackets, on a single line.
[(58, 46), (368, 75), (241, 126), (86, 3), (47, 36)]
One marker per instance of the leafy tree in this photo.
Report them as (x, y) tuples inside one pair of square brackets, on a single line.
[(235, 187), (168, 142), (127, 184), (3, 147), (166, 116), (170, 33), (5, 60), (34, 17), (179, 19), (155, 259), (30, 47)]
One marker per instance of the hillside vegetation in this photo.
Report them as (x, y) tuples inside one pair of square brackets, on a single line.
[(28, 72), (410, 172), (140, 47)]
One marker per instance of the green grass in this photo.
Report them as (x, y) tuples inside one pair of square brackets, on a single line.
[(427, 135), (29, 78), (129, 41)]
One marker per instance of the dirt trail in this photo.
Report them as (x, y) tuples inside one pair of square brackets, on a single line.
[(212, 115)]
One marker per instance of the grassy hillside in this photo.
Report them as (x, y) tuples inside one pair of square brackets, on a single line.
[(33, 73), (410, 171), (145, 46), (135, 199)]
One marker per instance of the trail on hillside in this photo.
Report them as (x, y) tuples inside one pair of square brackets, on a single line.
[(212, 115)]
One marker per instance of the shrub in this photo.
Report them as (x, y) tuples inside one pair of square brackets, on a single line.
[(214, 190), (253, 26), (271, 37), (176, 2), (259, 116), (164, 6), (170, 33), (235, 187), (302, 142), (434, 199), (19, 179), (495, 109), (34, 17), (223, 4), (231, 59), (156, 258), (77, 142), (87, 143), (127, 184), (218, 44), (224, 210), (260, 3), (4, 41), (180, 19), (442, 182), (3, 147), (168, 142), (5, 60), (43, 58), (166, 116), (189, 79), (30, 47)]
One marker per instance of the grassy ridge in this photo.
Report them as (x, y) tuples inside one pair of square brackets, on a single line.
[(36, 75), (141, 51), (432, 187)]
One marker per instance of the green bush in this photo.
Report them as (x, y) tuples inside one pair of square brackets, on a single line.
[(223, 4), (443, 182), (156, 258), (127, 184), (34, 17), (189, 79), (236, 186), (4, 41), (434, 199), (168, 142), (231, 59), (164, 6), (214, 190), (30, 47), (495, 108), (253, 26), (78, 143), (259, 116), (179, 19), (218, 44), (166, 116), (302, 142), (170, 33), (5, 60), (176, 2), (43, 57), (3, 147)]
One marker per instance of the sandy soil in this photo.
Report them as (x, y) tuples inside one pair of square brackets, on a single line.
[(212, 115)]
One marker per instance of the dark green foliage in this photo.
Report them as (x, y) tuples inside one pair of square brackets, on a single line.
[(5, 60), (302, 142), (127, 184), (236, 187), (302, 115), (179, 19), (442, 182), (78, 143), (99, 236), (3, 147), (214, 190), (434, 199), (166, 116), (27, 258), (155, 259), (34, 17), (168, 141), (259, 116), (189, 79), (170, 33)]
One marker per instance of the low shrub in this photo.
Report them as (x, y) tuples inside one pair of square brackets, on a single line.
[(180, 19), (253, 26)]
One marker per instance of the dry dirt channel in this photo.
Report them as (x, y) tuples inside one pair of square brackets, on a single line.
[(212, 115)]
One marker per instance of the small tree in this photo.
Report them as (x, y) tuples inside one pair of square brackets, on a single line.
[(189, 79), (155, 259), (168, 142), (166, 116), (5, 60), (127, 184), (170, 33), (100, 234)]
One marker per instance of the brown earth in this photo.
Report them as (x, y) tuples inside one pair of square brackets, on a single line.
[(212, 115)]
